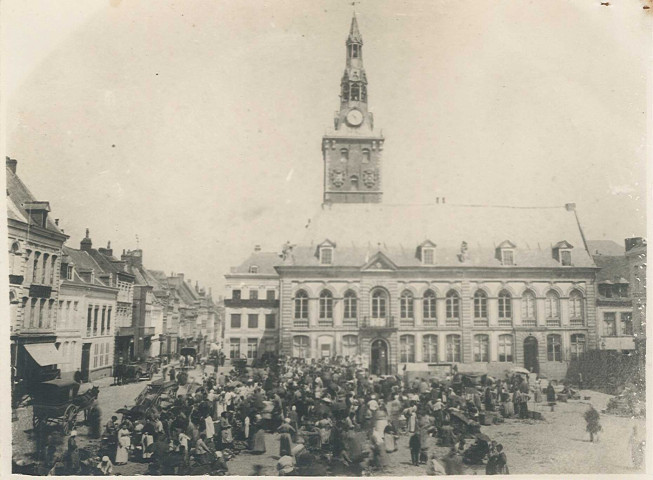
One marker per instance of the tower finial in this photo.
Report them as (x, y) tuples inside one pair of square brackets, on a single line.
[(354, 32)]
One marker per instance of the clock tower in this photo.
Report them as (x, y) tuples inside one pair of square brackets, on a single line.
[(352, 149)]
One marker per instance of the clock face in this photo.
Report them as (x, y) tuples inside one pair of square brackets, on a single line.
[(354, 117)]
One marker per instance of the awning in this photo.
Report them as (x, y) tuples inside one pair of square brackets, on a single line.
[(44, 353)]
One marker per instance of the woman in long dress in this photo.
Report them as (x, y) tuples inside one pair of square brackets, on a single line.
[(285, 440), (324, 427), (226, 436), (380, 456), (381, 419), (390, 438), (258, 437), (124, 442)]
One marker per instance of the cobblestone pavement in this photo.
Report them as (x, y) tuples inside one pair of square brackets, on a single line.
[(556, 445)]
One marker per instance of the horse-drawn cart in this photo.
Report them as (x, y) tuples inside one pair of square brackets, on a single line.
[(57, 403)]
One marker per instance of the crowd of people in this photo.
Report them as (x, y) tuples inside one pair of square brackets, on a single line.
[(331, 417)]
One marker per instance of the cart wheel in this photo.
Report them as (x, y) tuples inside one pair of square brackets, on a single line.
[(70, 419)]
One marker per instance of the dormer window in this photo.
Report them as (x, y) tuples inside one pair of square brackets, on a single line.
[(426, 252), (253, 269), (326, 255), (69, 272), (506, 253), (562, 253), (325, 251)]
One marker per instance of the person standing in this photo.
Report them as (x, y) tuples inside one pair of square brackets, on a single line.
[(285, 440), (73, 465), (124, 442), (592, 418), (415, 446), (501, 462)]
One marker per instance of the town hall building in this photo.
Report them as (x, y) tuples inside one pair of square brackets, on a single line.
[(401, 287)]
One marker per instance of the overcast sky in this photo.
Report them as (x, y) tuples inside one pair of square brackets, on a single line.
[(197, 126)]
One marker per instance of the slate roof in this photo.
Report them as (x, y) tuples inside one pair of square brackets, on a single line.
[(361, 230), (18, 195), (605, 247), (265, 261), (613, 268), (83, 261)]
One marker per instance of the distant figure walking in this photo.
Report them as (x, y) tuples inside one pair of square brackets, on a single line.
[(593, 425)]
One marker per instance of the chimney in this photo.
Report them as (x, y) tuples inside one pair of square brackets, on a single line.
[(86, 244), (634, 242), (257, 248), (571, 207), (106, 251), (444, 200), (56, 222), (437, 200), (11, 164), (133, 257)]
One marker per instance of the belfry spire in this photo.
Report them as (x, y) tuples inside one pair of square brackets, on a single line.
[(354, 33), (352, 150)]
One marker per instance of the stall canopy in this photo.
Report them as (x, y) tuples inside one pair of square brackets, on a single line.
[(44, 353)]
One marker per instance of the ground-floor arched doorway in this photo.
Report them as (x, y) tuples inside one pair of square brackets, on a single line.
[(531, 362), (379, 358)]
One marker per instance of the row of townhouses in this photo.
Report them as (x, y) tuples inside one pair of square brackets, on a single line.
[(84, 309), (403, 286)]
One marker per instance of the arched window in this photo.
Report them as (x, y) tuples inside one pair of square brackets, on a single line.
[(53, 269), (453, 308), (344, 154), (34, 313), (345, 91), (429, 306), (44, 269), (35, 267), (349, 346), (301, 305), (430, 348), (351, 306), (326, 305), (406, 305), (480, 305), (576, 308), (505, 307), (505, 348), (355, 92), (528, 308), (552, 307), (481, 348), (554, 348), (407, 349), (301, 346), (354, 181), (577, 346), (453, 348), (363, 93), (379, 304), (366, 155)]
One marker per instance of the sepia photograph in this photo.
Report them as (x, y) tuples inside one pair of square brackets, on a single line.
[(325, 238)]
